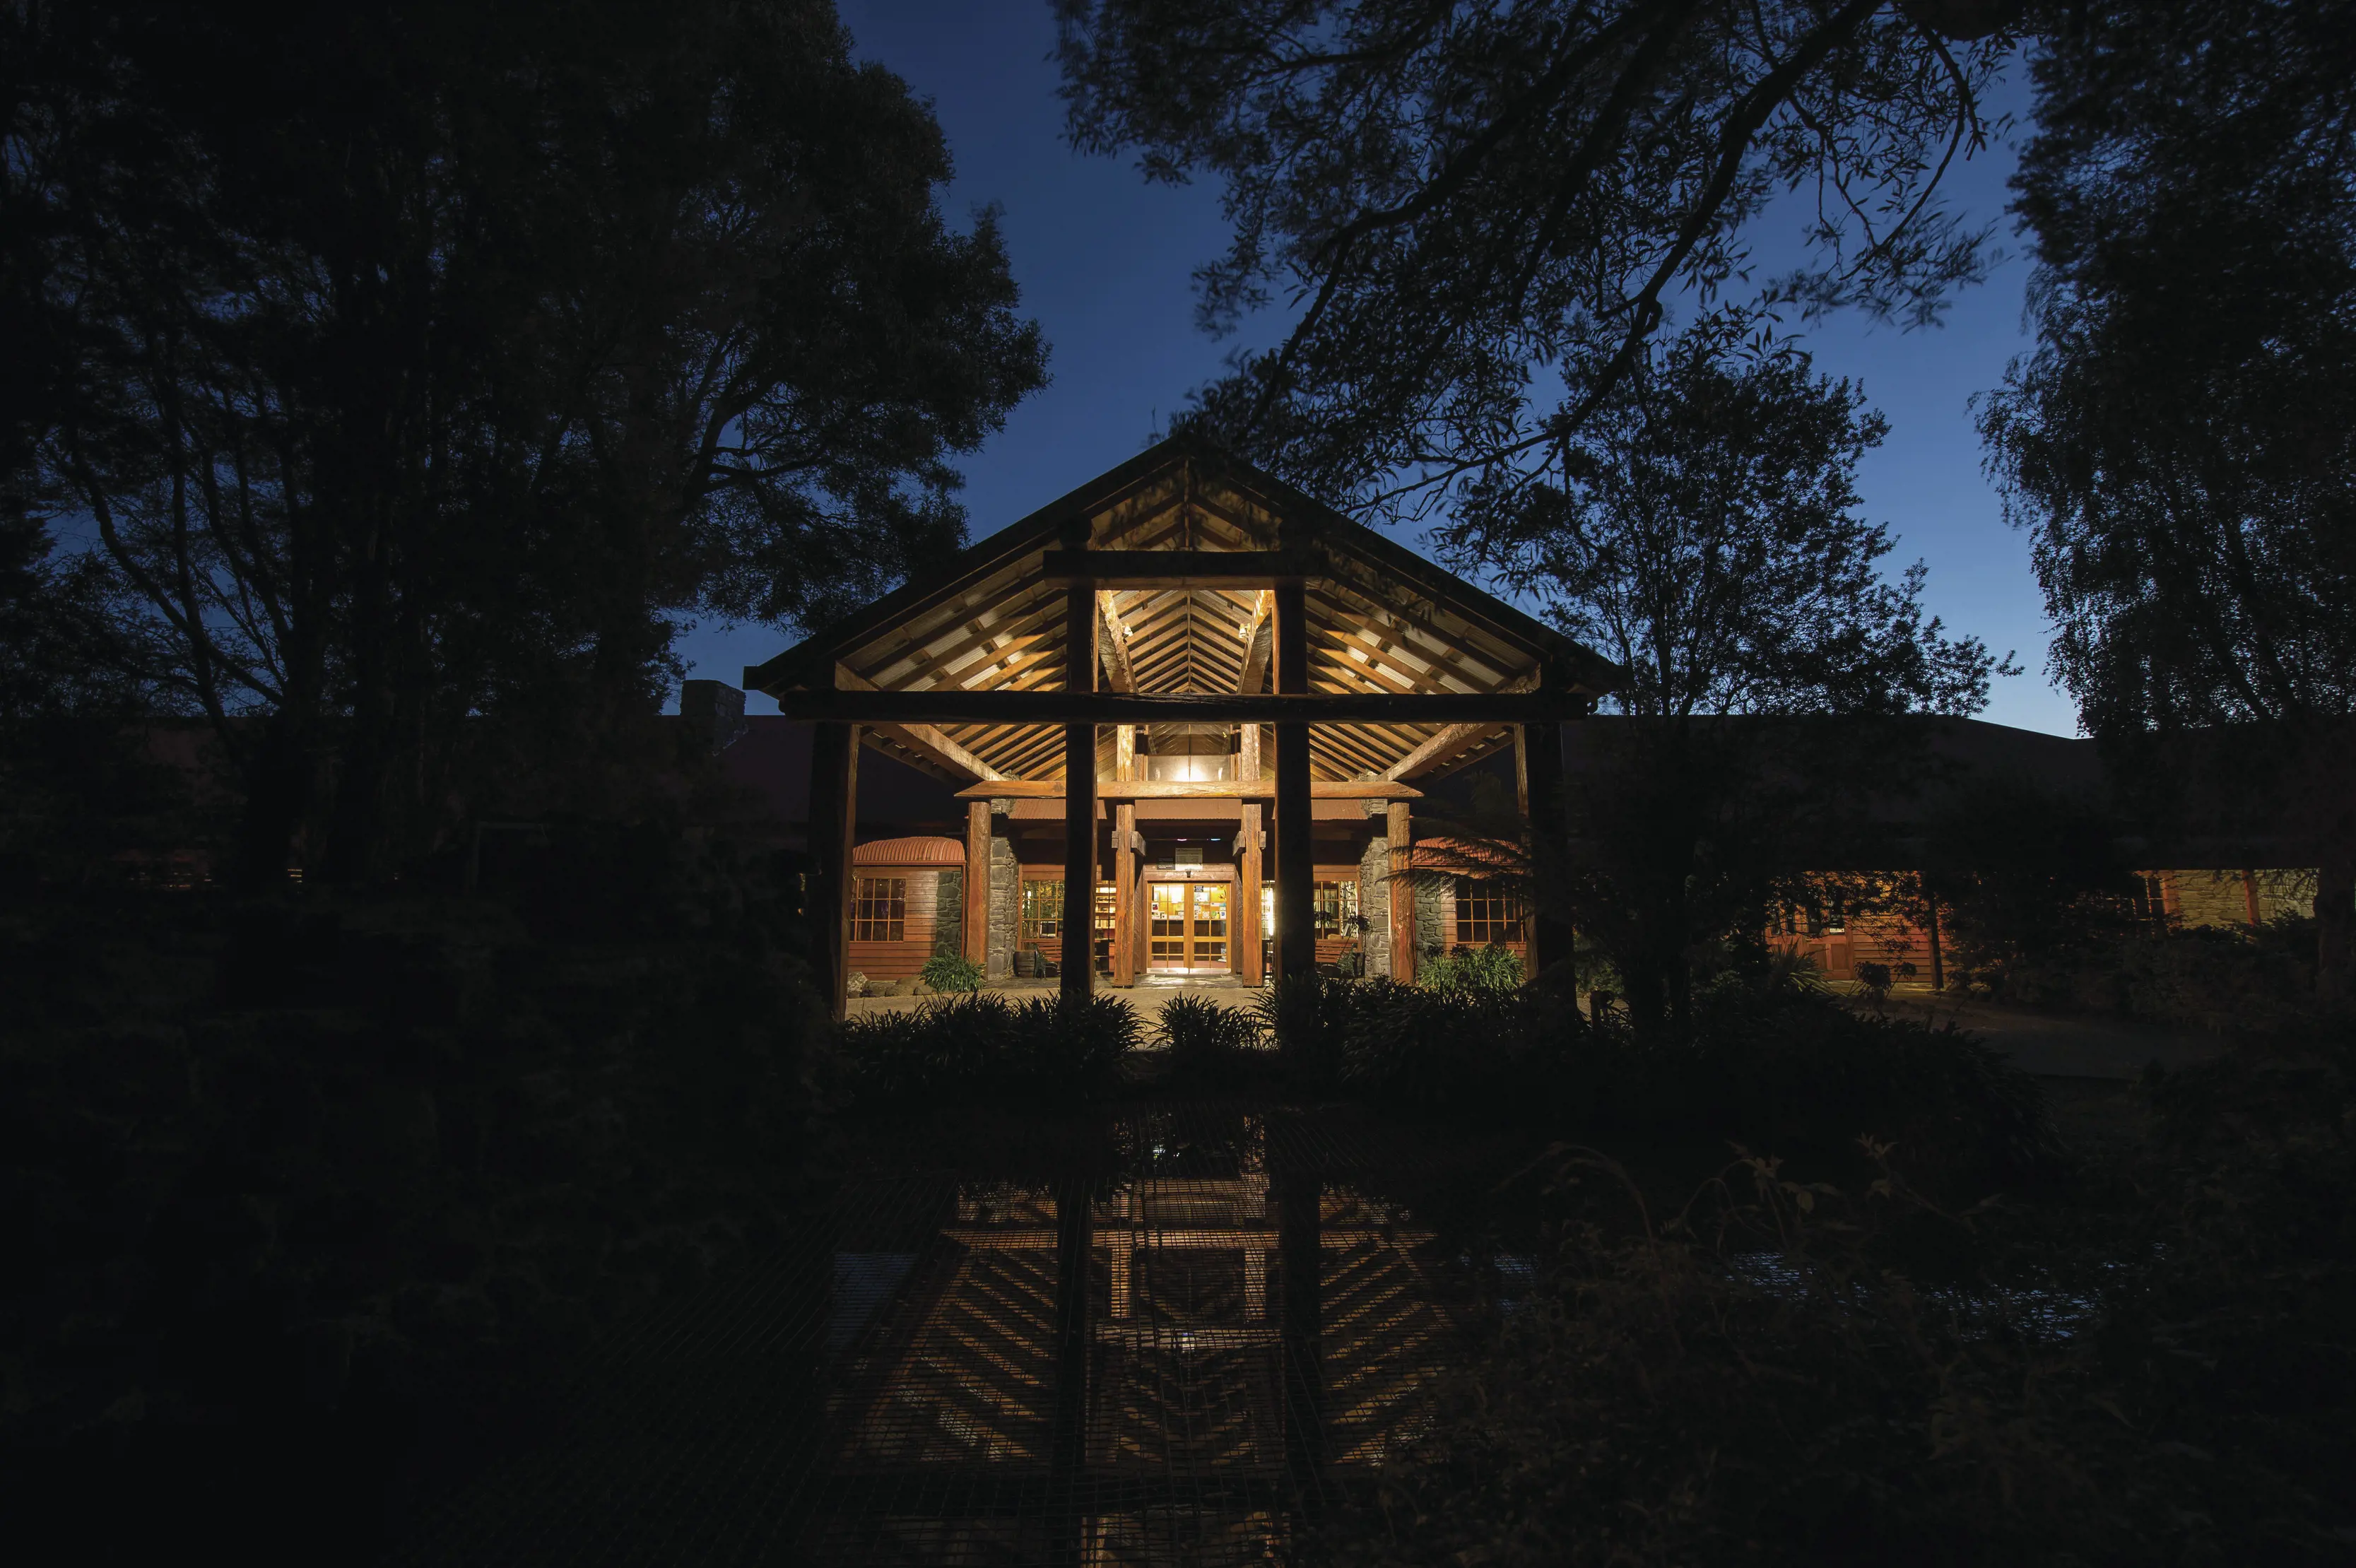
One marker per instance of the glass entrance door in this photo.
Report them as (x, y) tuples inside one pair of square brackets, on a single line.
[(1189, 930), (1208, 925)]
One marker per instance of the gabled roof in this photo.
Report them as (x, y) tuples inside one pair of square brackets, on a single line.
[(1381, 619)]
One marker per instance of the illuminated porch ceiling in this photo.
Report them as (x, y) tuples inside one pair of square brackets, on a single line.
[(1380, 620)]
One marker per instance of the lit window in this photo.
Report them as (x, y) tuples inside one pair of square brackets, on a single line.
[(1106, 897), (1486, 913), (1042, 910), (1337, 905), (880, 910)]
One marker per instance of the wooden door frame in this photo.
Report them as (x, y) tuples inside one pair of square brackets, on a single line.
[(1179, 879)]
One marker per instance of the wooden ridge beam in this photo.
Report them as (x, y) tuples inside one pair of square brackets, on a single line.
[(1190, 789), (956, 706), (1186, 568)]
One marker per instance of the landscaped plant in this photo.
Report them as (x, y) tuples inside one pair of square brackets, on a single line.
[(1211, 1045), (948, 972), (1874, 980), (1491, 968), (1757, 1379), (981, 1044)]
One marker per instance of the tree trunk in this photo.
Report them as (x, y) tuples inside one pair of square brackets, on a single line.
[(279, 786), (2335, 893)]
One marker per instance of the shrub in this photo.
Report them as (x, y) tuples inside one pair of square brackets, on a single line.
[(1777, 1067), (947, 971), (1210, 1044), (1750, 1381), (1491, 968), (981, 1044), (320, 1179)]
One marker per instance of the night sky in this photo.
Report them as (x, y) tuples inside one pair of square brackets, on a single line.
[(1104, 262)]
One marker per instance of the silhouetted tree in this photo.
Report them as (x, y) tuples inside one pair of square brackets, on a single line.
[(1483, 211), (2182, 441), (427, 358), (1709, 543)]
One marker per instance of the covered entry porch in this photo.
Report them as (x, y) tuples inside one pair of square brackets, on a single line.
[(1204, 697)]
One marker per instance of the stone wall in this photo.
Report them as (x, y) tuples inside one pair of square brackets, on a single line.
[(1435, 918), (1005, 891), (948, 919), (1374, 905)]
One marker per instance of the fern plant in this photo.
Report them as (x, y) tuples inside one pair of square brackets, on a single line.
[(947, 971)]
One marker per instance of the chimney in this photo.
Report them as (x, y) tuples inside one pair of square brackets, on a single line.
[(717, 709)]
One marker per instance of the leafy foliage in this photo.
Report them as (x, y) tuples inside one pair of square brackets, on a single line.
[(1491, 968), (1711, 545), (949, 972), (439, 391), (301, 1190), (1768, 1374), (2179, 442), (1474, 205), (981, 1044), (1210, 1044), (1784, 1068)]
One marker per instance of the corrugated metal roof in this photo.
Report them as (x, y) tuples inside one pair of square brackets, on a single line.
[(910, 852)]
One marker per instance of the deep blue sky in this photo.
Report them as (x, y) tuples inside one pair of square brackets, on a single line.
[(1104, 261)]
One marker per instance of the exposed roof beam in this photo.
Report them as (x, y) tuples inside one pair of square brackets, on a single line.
[(1114, 646), (923, 739), (1192, 789), (1048, 707)]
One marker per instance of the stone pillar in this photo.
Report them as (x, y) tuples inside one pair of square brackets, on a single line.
[(1435, 922), (1005, 898), (948, 914), (1375, 897)]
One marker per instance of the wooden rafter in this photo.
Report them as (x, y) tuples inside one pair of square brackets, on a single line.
[(923, 740)]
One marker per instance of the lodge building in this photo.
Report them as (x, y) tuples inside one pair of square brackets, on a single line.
[(1197, 692)]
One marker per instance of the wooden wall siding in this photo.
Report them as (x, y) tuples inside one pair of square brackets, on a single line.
[(901, 960), (2226, 898), (1866, 939)]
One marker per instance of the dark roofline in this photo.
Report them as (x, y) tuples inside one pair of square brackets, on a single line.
[(1586, 668)]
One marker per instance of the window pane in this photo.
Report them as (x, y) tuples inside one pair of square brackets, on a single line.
[(1043, 909), (1486, 913), (879, 910)]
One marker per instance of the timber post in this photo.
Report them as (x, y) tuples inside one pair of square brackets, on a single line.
[(1124, 862), (1294, 1184), (976, 882), (1250, 940), (1080, 795), (833, 831), (1296, 866), (1537, 749), (1074, 1338)]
